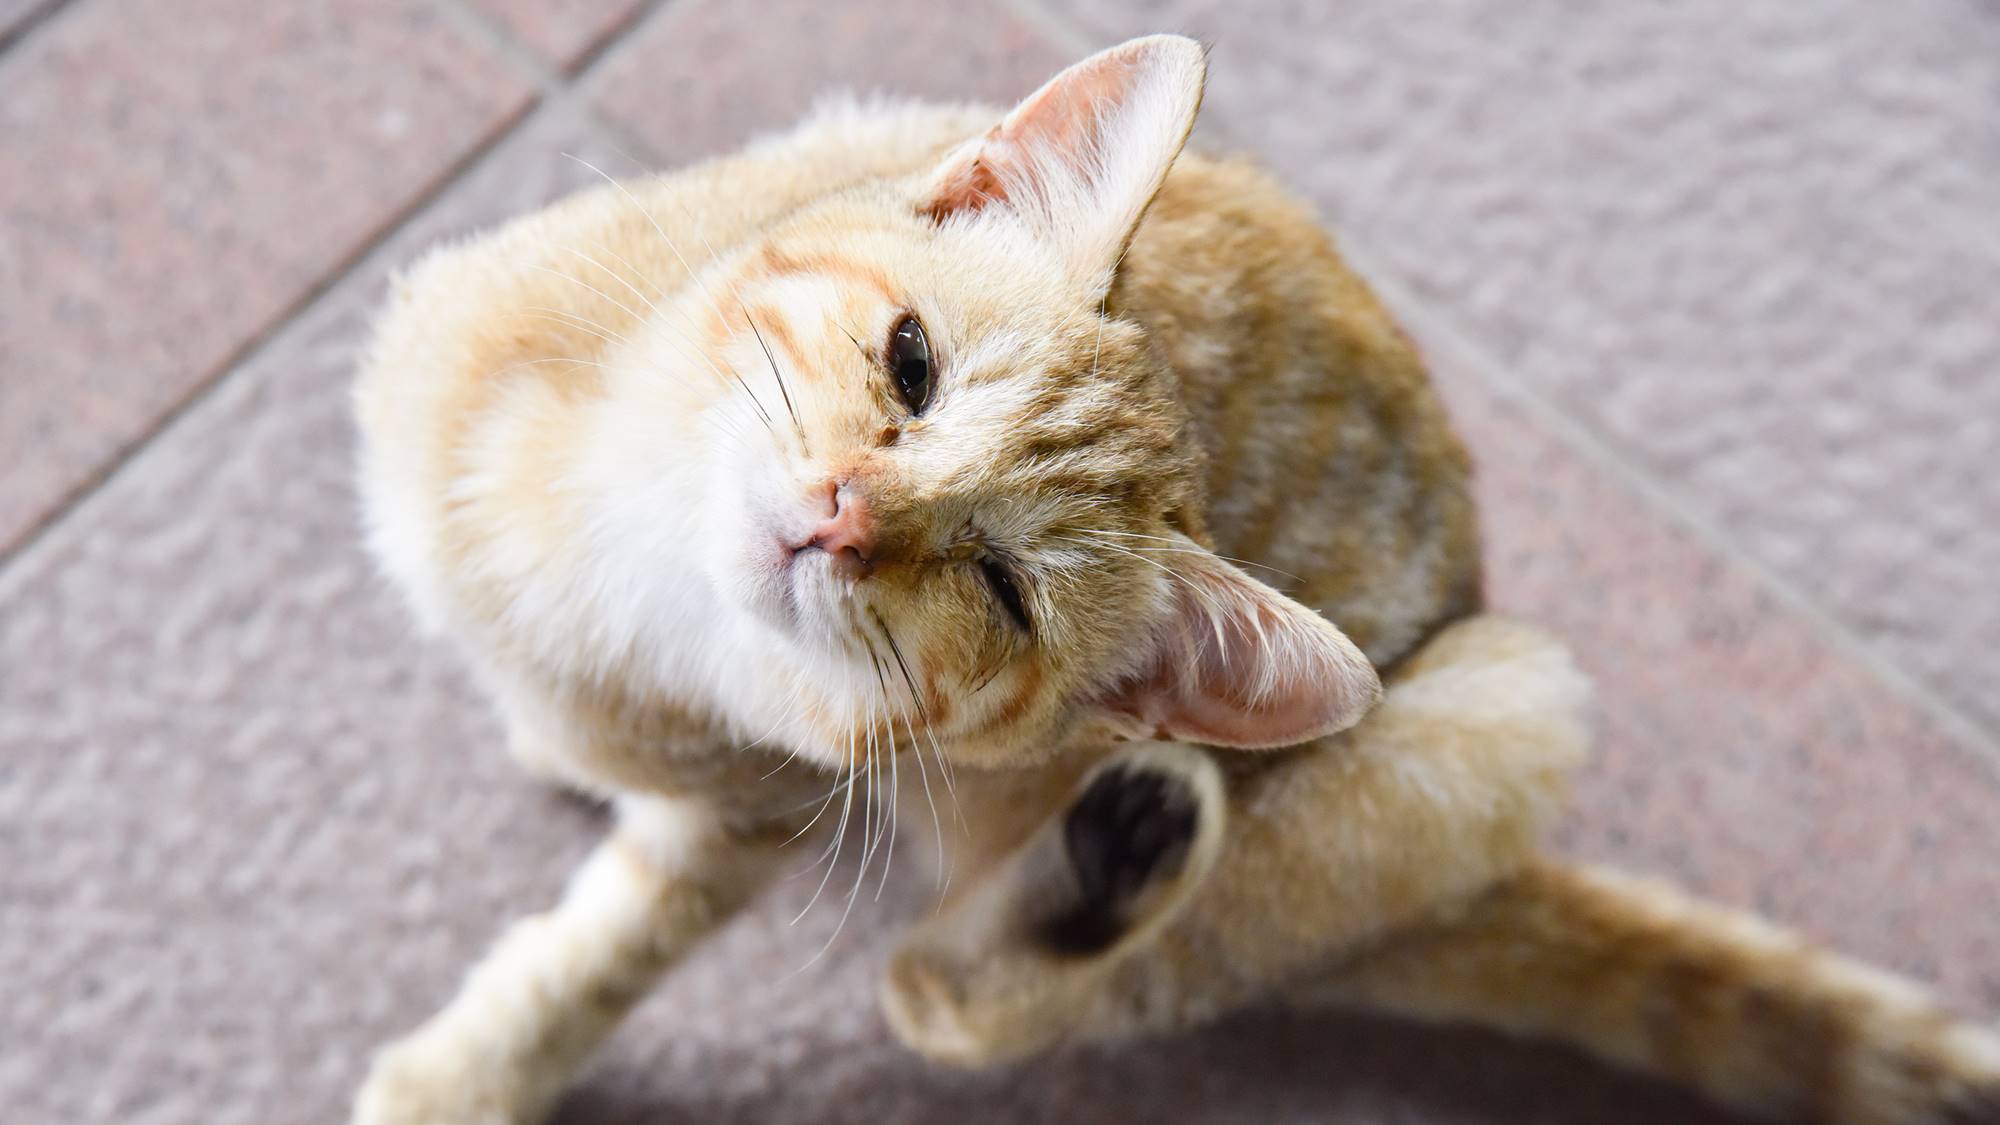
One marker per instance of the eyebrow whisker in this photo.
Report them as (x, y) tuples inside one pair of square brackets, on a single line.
[(776, 374)]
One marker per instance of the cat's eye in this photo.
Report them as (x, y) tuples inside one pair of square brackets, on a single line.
[(910, 364), (1004, 590)]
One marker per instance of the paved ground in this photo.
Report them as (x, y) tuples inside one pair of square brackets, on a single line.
[(1710, 287)]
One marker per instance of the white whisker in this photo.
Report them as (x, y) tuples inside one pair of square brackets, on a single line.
[(1174, 547), (581, 324), (602, 295), (944, 859), (895, 815), (678, 256), (839, 835), (618, 277)]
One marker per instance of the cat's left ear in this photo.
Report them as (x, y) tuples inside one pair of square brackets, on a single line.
[(1233, 662), (1082, 156)]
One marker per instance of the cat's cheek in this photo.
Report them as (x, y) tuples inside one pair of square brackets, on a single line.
[(743, 569), (761, 596), (757, 581)]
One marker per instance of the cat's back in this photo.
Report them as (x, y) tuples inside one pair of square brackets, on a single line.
[(1332, 467)]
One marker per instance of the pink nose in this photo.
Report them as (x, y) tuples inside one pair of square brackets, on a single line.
[(848, 534)]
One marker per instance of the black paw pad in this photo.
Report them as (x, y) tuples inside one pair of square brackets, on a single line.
[(1129, 828)]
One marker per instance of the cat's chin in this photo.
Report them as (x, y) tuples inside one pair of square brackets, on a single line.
[(794, 596), (771, 602), (814, 604)]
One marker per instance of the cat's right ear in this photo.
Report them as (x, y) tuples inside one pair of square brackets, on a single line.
[(1081, 158)]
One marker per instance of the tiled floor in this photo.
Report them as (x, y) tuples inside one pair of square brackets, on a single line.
[(1709, 288)]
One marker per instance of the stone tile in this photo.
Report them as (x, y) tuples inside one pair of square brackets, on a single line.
[(1754, 245), (564, 32), (176, 178), (707, 74)]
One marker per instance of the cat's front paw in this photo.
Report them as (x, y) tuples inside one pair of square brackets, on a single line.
[(1018, 964), (924, 1000), (423, 1081)]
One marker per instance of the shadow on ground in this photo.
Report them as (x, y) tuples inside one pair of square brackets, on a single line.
[(1265, 1068)]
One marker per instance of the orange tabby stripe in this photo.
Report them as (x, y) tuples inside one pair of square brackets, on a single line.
[(780, 263)]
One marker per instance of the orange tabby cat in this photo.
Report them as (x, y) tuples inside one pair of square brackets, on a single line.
[(901, 445)]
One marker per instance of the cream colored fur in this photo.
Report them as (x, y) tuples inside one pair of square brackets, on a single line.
[(597, 445)]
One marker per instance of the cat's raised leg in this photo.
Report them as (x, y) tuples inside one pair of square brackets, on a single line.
[(1043, 926), (1441, 790), (556, 984)]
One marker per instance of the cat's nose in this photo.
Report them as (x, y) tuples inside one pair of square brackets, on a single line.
[(848, 534)]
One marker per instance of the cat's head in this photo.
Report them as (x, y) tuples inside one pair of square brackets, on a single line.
[(964, 495)]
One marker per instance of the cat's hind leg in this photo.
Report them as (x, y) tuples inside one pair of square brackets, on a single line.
[(557, 983), (1438, 792), (1640, 974)]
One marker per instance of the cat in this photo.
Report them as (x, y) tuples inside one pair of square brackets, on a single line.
[(870, 482)]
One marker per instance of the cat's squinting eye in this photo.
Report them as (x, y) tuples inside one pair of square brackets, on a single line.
[(910, 364), (1004, 590)]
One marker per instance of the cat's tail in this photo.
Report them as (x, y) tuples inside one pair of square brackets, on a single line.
[(1644, 976)]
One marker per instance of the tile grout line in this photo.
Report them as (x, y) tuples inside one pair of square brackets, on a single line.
[(550, 91), (245, 351), (526, 62), (1582, 440), (33, 21), (585, 87), (555, 80), (46, 534), (254, 343), (563, 89), (619, 34)]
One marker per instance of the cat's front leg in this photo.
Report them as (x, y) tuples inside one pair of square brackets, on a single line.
[(993, 976), (557, 983)]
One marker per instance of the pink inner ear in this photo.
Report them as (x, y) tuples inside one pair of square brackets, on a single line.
[(969, 187), (1061, 121), (1240, 665), (1248, 699)]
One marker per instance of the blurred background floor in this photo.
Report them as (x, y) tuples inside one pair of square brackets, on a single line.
[(1710, 287)]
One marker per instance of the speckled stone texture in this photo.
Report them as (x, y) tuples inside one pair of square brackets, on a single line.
[(169, 185), (250, 826), (563, 32), (708, 73), (1754, 246)]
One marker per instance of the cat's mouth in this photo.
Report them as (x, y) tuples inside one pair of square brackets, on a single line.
[(803, 575)]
